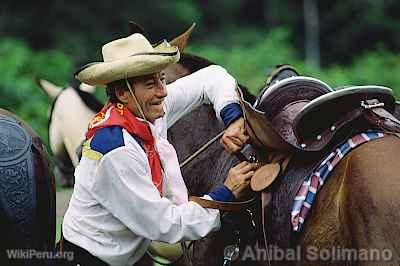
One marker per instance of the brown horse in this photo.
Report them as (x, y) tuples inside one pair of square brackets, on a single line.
[(27, 193), (354, 219), (348, 222), (357, 208), (351, 211)]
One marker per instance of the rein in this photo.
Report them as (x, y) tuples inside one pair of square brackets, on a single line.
[(201, 149)]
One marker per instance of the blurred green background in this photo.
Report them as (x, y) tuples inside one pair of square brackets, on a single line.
[(346, 42), (341, 42)]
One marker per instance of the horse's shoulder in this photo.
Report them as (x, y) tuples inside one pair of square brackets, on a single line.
[(371, 154), (107, 139), (374, 165)]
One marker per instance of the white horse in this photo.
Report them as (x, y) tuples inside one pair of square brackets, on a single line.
[(68, 121)]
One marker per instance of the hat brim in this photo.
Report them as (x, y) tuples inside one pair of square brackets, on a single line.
[(102, 73)]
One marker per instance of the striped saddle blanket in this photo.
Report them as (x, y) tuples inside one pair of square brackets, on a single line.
[(314, 182)]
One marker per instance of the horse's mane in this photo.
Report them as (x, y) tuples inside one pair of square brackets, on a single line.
[(193, 62), (90, 100)]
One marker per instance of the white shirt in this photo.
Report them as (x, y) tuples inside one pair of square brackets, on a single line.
[(115, 209)]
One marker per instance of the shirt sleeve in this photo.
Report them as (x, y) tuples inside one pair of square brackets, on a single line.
[(212, 84), (123, 186)]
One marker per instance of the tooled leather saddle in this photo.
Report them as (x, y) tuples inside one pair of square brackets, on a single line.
[(296, 113), (303, 117), (27, 191)]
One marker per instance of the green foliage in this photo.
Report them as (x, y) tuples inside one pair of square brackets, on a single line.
[(377, 67), (248, 55), (251, 62), (20, 66)]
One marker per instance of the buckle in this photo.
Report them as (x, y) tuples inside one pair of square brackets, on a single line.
[(370, 104)]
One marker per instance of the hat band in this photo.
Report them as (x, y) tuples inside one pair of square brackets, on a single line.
[(137, 54)]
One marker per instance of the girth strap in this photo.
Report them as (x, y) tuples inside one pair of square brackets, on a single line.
[(235, 206)]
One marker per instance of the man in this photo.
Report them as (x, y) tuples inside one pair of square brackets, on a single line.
[(129, 189)]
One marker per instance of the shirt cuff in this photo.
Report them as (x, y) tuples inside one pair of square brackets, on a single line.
[(230, 113), (222, 193)]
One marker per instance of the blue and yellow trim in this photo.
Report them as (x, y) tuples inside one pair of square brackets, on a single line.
[(104, 140)]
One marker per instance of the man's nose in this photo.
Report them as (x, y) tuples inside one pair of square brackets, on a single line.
[(161, 89)]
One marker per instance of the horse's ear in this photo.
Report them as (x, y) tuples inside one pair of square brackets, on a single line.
[(51, 89), (135, 28), (182, 40)]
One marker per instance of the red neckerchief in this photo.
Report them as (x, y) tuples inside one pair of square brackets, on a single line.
[(119, 115)]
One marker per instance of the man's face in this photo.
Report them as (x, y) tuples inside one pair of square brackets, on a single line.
[(150, 91)]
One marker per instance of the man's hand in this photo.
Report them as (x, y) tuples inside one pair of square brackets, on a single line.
[(234, 136), (239, 176)]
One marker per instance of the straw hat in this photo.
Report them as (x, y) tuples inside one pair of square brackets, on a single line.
[(128, 57)]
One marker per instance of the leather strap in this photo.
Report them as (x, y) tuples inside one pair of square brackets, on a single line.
[(235, 206), (266, 198), (383, 119)]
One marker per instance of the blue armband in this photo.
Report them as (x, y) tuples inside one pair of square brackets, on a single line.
[(230, 113), (222, 193)]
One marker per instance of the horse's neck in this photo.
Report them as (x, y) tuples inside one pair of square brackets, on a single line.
[(193, 130), (189, 134)]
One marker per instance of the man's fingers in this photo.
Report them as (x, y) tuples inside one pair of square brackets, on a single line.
[(237, 167), (247, 167), (243, 138), (237, 138), (230, 146), (247, 176), (233, 139)]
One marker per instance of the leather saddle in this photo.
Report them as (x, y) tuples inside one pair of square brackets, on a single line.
[(296, 113), (270, 122), (319, 121), (304, 114), (27, 191)]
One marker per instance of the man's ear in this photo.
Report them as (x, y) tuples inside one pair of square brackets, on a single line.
[(122, 95)]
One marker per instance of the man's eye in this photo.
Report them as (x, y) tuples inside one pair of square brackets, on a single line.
[(149, 84)]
